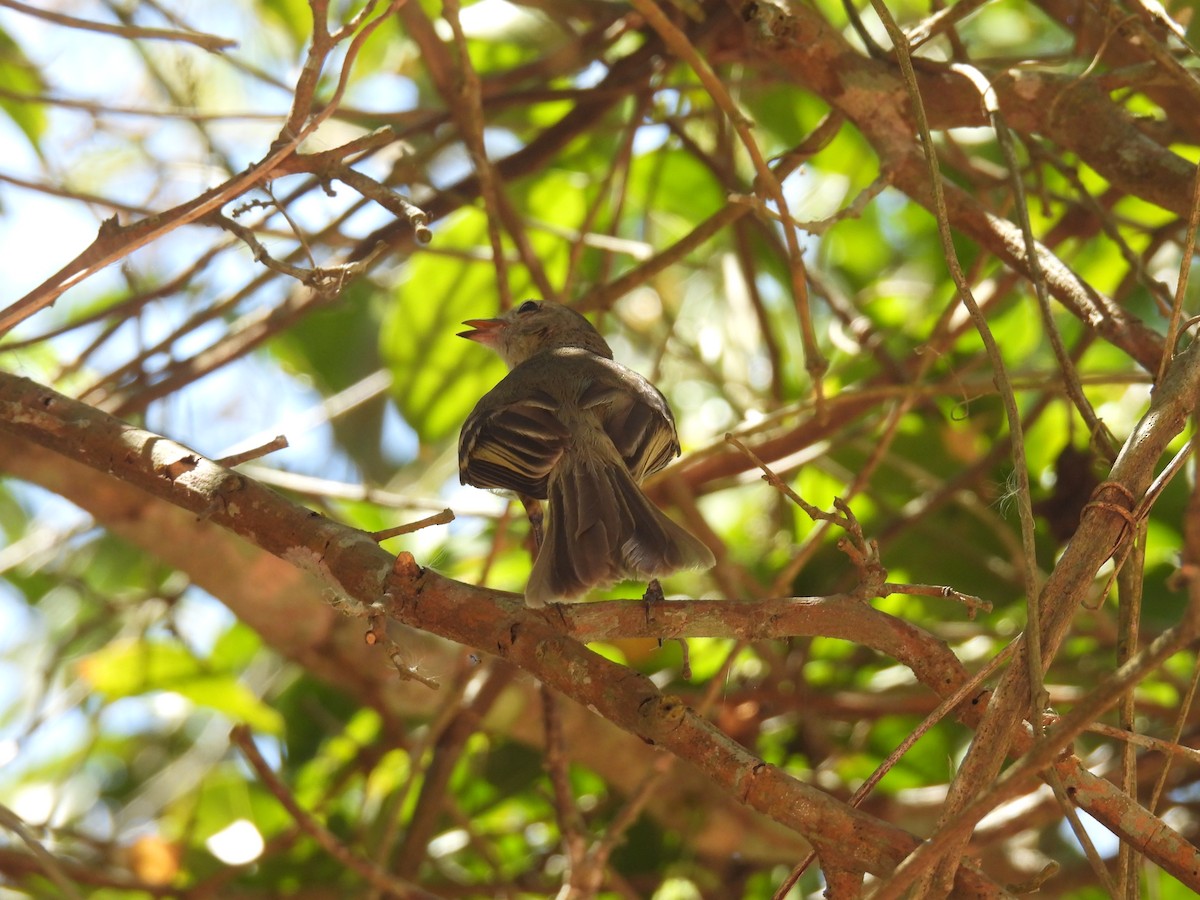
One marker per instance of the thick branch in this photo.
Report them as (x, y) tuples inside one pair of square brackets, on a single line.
[(289, 610), (1099, 534), (872, 96), (358, 570), (280, 603)]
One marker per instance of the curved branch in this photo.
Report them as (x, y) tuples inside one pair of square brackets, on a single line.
[(871, 95), (360, 574), (493, 621)]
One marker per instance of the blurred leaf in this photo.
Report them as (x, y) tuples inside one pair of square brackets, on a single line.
[(438, 377), (783, 115), (129, 667), (226, 695), (313, 710), (19, 75), (111, 565), (295, 17), (236, 648), (673, 191), (338, 346)]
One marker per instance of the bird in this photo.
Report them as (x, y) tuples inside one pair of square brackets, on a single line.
[(571, 426)]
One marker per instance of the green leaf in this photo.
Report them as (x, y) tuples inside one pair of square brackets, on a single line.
[(677, 188), (337, 347), (226, 695), (438, 377), (129, 668), (234, 649), (293, 16), (19, 75)]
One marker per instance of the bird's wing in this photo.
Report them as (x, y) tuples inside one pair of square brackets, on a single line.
[(512, 443), (635, 416)]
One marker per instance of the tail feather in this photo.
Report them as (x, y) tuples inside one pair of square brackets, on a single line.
[(601, 529)]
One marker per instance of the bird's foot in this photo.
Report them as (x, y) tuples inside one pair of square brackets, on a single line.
[(654, 594)]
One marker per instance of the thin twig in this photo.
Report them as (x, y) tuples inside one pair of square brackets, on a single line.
[(930, 27), (10, 821), (1004, 138), (814, 512), (280, 442), (115, 241), (963, 785), (1043, 753), (1129, 613), (467, 107), (1145, 741), (395, 203), (1181, 719), (852, 210), (209, 42), (1185, 268), (326, 839), (570, 821), (943, 709), (377, 633), (314, 277), (445, 517), (972, 603), (679, 44)]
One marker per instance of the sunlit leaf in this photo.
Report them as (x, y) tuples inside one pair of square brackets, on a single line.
[(131, 668), (20, 76), (438, 377)]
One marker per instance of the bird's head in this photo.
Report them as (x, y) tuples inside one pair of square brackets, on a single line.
[(532, 327)]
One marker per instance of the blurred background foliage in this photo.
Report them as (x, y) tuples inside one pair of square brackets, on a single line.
[(121, 677)]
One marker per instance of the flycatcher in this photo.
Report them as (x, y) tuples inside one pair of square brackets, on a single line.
[(571, 426)]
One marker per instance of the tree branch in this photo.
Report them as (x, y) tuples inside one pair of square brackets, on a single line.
[(360, 574)]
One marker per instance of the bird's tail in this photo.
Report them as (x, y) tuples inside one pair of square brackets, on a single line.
[(601, 529)]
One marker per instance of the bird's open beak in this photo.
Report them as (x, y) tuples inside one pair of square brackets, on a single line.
[(485, 331)]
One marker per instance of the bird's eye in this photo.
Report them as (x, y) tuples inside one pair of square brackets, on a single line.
[(528, 306)]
